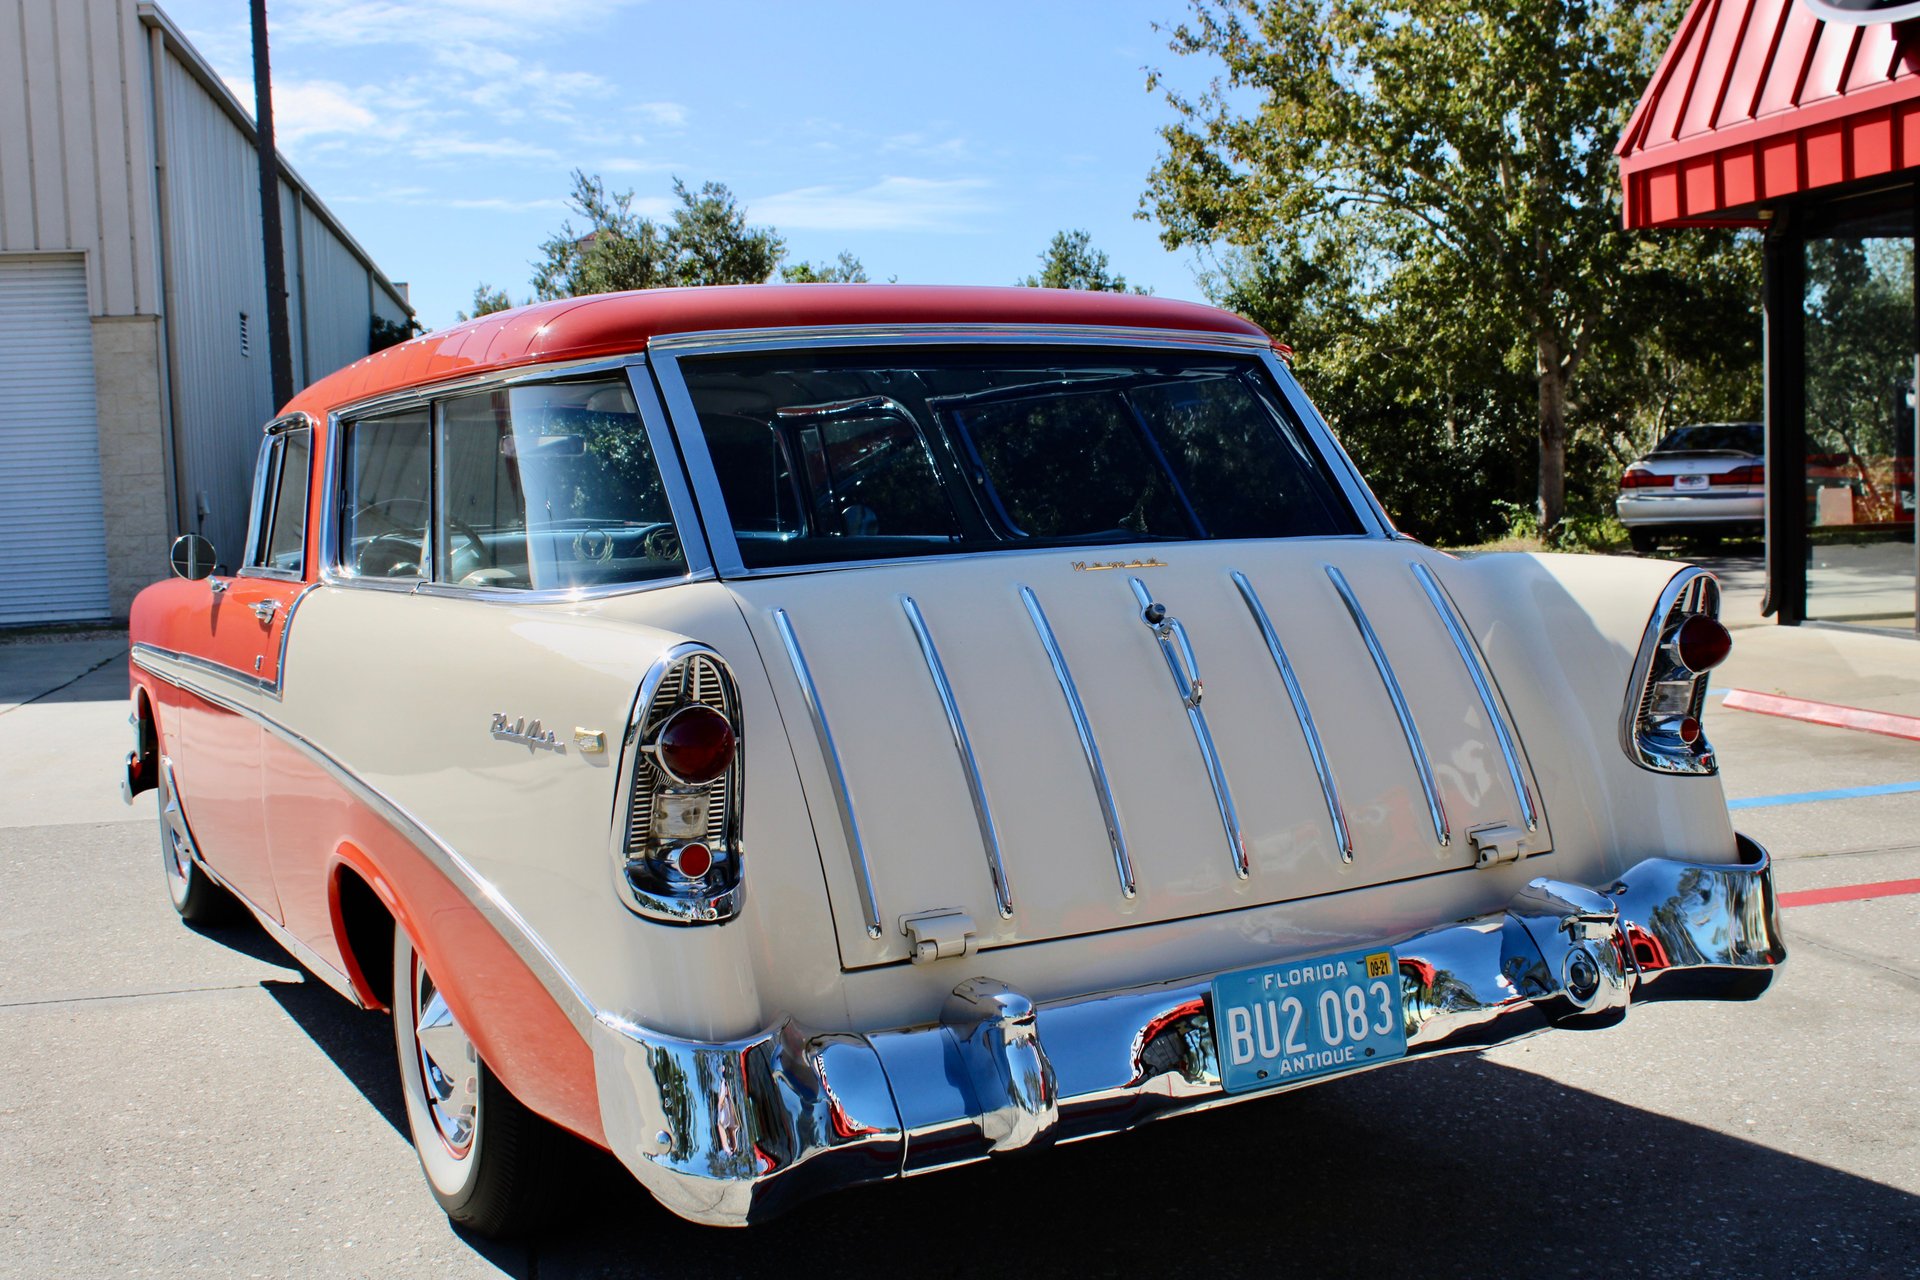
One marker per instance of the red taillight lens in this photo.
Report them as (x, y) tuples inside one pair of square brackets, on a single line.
[(1701, 644), (1756, 473), (1689, 730), (692, 860), (1640, 478), (694, 746)]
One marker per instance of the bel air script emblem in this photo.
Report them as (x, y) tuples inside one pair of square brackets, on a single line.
[(523, 730)]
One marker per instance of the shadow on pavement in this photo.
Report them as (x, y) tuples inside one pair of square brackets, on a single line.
[(1448, 1167)]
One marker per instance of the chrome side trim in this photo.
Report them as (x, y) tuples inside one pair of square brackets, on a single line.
[(145, 654), (1185, 669), (989, 840), (1329, 790), (836, 774), (1415, 748), (527, 944), (1474, 661), (1103, 792)]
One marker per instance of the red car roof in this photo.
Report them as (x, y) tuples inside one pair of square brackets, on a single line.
[(618, 323)]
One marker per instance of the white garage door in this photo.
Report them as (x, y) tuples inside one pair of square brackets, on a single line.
[(53, 545)]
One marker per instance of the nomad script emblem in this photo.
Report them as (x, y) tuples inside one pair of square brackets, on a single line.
[(1093, 566)]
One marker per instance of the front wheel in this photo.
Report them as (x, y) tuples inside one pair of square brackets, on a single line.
[(193, 892), (484, 1153)]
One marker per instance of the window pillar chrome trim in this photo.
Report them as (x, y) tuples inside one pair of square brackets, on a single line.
[(1185, 670), (1103, 792), (1415, 748), (1474, 661), (989, 839), (836, 775), (1316, 751)]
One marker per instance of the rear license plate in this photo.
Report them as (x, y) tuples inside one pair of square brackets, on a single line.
[(1281, 1023), (1689, 482)]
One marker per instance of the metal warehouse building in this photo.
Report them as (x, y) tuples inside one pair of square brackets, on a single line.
[(134, 372)]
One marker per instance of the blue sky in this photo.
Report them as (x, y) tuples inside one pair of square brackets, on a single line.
[(938, 143)]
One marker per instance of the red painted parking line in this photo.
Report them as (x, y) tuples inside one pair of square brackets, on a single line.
[(1849, 893), (1828, 713)]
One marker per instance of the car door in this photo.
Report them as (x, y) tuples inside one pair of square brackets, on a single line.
[(240, 638)]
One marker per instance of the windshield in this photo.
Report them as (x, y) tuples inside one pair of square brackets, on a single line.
[(827, 456), (1715, 437)]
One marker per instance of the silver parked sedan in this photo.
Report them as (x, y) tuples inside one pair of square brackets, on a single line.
[(1708, 478)]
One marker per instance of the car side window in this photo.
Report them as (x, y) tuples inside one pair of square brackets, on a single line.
[(550, 487), (277, 540), (385, 508), (286, 540)]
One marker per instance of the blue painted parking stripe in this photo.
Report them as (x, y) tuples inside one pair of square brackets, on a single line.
[(1809, 797)]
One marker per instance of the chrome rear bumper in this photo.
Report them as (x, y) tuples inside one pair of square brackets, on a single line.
[(727, 1134)]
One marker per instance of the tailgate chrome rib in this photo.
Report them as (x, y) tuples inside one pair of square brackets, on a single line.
[(1185, 669), (1482, 684), (1296, 695), (863, 874), (989, 840), (1122, 862), (1415, 748)]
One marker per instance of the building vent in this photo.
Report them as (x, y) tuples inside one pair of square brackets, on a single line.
[(245, 347)]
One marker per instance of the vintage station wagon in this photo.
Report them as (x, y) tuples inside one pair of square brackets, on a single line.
[(797, 736)]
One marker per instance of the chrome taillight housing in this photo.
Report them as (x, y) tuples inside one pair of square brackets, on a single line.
[(1660, 724), (677, 837)]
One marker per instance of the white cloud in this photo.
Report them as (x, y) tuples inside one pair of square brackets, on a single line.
[(664, 115), (891, 204)]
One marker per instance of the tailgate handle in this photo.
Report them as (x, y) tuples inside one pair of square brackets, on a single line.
[(1179, 650), (1495, 845), (938, 935)]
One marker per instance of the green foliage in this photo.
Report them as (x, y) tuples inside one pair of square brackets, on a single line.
[(486, 301), (1071, 262), (1421, 198), (844, 270), (1859, 344), (705, 241), (383, 333)]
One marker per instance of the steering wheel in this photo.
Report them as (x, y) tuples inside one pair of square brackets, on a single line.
[(386, 554)]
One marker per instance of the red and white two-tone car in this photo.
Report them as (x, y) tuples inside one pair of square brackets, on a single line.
[(796, 736)]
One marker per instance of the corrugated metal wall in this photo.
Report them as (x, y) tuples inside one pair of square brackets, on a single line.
[(76, 159), (338, 322), (222, 385)]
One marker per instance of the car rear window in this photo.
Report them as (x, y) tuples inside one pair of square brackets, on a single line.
[(828, 456), (1715, 437)]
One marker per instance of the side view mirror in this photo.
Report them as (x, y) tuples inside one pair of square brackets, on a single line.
[(192, 557)]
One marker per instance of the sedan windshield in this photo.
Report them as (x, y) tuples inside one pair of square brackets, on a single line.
[(1715, 437), (825, 456)]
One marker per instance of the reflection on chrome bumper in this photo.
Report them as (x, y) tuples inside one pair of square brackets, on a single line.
[(730, 1133)]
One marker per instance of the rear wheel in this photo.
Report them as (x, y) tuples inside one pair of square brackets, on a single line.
[(1643, 540), (195, 895), (486, 1157)]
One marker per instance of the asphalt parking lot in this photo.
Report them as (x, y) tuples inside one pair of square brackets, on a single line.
[(174, 1101)]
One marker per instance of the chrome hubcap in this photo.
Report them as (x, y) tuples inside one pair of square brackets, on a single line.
[(176, 844), (449, 1066)]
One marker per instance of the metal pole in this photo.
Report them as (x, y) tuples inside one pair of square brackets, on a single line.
[(1783, 254), (279, 344)]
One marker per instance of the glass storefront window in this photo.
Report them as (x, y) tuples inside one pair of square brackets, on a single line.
[(1860, 397)]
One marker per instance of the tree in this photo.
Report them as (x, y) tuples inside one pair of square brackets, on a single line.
[(846, 269), (486, 301), (1447, 161), (1071, 262), (705, 241)]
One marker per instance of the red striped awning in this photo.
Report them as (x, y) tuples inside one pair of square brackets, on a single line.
[(1760, 99)]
